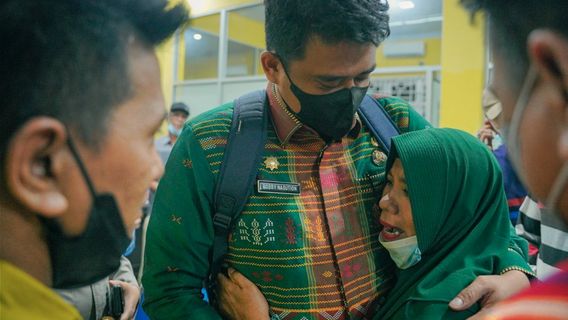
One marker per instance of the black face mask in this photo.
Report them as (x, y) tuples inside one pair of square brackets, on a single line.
[(82, 260), (330, 115)]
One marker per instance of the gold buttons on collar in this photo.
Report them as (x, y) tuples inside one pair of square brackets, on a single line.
[(379, 157), (374, 142), (271, 163)]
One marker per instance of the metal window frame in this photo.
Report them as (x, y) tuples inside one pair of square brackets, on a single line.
[(223, 53), (222, 78), (429, 109)]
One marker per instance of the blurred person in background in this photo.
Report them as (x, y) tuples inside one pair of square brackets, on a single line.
[(547, 234), (179, 112), (490, 135)]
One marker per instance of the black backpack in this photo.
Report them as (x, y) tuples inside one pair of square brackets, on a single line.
[(239, 169)]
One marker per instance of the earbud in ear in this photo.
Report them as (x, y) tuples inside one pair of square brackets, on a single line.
[(42, 167), (38, 169)]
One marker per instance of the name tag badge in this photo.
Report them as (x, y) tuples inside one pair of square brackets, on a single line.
[(277, 187)]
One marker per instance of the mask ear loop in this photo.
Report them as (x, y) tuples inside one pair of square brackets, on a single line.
[(560, 182), (513, 140), (557, 188), (75, 154)]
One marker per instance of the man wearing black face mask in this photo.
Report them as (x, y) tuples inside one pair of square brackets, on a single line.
[(312, 250), (81, 101)]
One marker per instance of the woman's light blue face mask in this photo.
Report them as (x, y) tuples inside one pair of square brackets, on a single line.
[(511, 137), (404, 252), (172, 130)]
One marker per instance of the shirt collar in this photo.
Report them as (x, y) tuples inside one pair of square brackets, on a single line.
[(287, 124)]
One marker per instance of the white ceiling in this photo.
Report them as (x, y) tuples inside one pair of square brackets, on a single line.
[(422, 21), (422, 9)]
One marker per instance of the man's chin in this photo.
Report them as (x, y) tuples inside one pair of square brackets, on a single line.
[(134, 223)]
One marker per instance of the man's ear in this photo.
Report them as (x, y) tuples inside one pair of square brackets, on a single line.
[(548, 52), (34, 165), (272, 66)]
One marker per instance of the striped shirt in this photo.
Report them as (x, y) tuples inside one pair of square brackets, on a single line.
[(545, 231)]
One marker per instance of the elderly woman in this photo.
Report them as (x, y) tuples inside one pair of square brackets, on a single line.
[(445, 222)]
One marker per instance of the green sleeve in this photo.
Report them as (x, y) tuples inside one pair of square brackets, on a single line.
[(180, 235), (403, 115), (416, 121), (432, 310), (517, 255)]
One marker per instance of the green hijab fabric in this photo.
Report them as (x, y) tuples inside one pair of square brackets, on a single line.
[(461, 218)]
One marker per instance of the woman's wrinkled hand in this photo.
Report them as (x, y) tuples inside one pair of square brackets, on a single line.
[(239, 298)]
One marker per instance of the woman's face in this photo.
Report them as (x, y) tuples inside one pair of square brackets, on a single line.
[(396, 212)]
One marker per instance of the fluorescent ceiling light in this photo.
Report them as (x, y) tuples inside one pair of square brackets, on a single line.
[(197, 36), (415, 21), (406, 5)]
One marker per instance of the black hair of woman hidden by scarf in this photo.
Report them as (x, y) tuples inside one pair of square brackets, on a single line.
[(461, 218)]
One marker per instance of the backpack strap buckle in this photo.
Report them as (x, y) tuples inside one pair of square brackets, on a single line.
[(222, 223)]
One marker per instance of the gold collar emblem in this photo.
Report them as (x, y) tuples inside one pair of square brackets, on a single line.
[(271, 163)]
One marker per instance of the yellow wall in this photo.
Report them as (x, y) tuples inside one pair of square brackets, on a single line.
[(165, 53), (181, 55), (207, 66), (461, 55), (241, 29), (209, 24), (463, 67), (246, 31)]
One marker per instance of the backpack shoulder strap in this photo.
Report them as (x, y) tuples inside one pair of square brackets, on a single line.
[(378, 121), (242, 156)]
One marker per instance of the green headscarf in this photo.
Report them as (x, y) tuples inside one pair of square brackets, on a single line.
[(461, 218)]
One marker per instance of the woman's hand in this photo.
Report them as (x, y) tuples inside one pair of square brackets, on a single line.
[(239, 298)]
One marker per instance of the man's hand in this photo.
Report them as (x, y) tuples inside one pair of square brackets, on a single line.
[(239, 298), (131, 297), (488, 290)]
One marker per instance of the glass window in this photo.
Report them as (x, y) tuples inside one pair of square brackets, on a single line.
[(246, 41), (201, 49)]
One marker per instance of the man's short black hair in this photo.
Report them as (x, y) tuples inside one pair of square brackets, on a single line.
[(511, 22), (290, 23), (67, 59)]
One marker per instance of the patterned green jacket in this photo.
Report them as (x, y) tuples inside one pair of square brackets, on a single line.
[(314, 255)]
